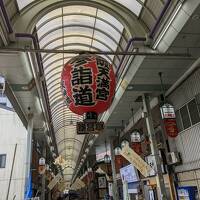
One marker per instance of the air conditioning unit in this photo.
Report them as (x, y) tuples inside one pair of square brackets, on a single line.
[(173, 158)]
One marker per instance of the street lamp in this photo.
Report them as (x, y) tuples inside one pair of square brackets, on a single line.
[(106, 157)]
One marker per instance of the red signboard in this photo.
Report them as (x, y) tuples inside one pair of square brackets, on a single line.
[(171, 127), (88, 84)]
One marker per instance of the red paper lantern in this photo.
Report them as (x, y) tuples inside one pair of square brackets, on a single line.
[(118, 162), (137, 147), (88, 84), (171, 127)]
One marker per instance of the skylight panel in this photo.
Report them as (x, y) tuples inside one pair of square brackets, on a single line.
[(23, 3), (133, 5)]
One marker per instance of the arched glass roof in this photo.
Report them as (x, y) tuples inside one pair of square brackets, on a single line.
[(134, 6), (74, 27)]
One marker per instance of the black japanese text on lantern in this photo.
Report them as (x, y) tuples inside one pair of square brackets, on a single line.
[(81, 81), (103, 80)]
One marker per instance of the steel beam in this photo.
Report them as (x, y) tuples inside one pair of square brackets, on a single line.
[(146, 87), (135, 53)]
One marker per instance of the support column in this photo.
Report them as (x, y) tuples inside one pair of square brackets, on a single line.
[(29, 149), (43, 176), (115, 189), (154, 148), (49, 195)]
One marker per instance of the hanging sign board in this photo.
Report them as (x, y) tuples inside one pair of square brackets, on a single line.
[(136, 160), (89, 127), (167, 111), (62, 186), (54, 181), (79, 183)]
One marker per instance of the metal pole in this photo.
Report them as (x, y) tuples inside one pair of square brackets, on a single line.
[(115, 189), (133, 53), (154, 148), (43, 176), (29, 148), (15, 150)]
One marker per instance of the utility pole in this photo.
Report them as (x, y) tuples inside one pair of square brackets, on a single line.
[(154, 147), (11, 172), (115, 189)]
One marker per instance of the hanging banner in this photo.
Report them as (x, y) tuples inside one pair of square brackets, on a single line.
[(136, 160), (54, 181)]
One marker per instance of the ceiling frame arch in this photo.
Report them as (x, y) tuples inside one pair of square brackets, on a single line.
[(36, 10)]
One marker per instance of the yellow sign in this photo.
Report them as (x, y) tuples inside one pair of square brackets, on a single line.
[(136, 160), (78, 184), (54, 181), (63, 185)]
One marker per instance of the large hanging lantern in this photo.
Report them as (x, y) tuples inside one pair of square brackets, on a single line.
[(88, 84)]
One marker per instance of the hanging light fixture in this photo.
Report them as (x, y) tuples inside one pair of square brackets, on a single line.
[(87, 150), (117, 149), (106, 157), (124, 143), (90, 143), (84, 155), (135, 136), (89, 169)]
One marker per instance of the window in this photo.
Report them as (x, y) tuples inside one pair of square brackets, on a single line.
[(2, 160), (188, 115), (185, 117), (178, 120), (194, 113)]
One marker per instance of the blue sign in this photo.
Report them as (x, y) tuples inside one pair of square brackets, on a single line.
[(28, 192)]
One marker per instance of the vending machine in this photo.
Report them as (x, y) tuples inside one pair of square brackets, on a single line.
[(187, 193)]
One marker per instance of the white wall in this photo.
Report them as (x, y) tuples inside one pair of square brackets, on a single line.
[(188, 140), (12, 132)]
